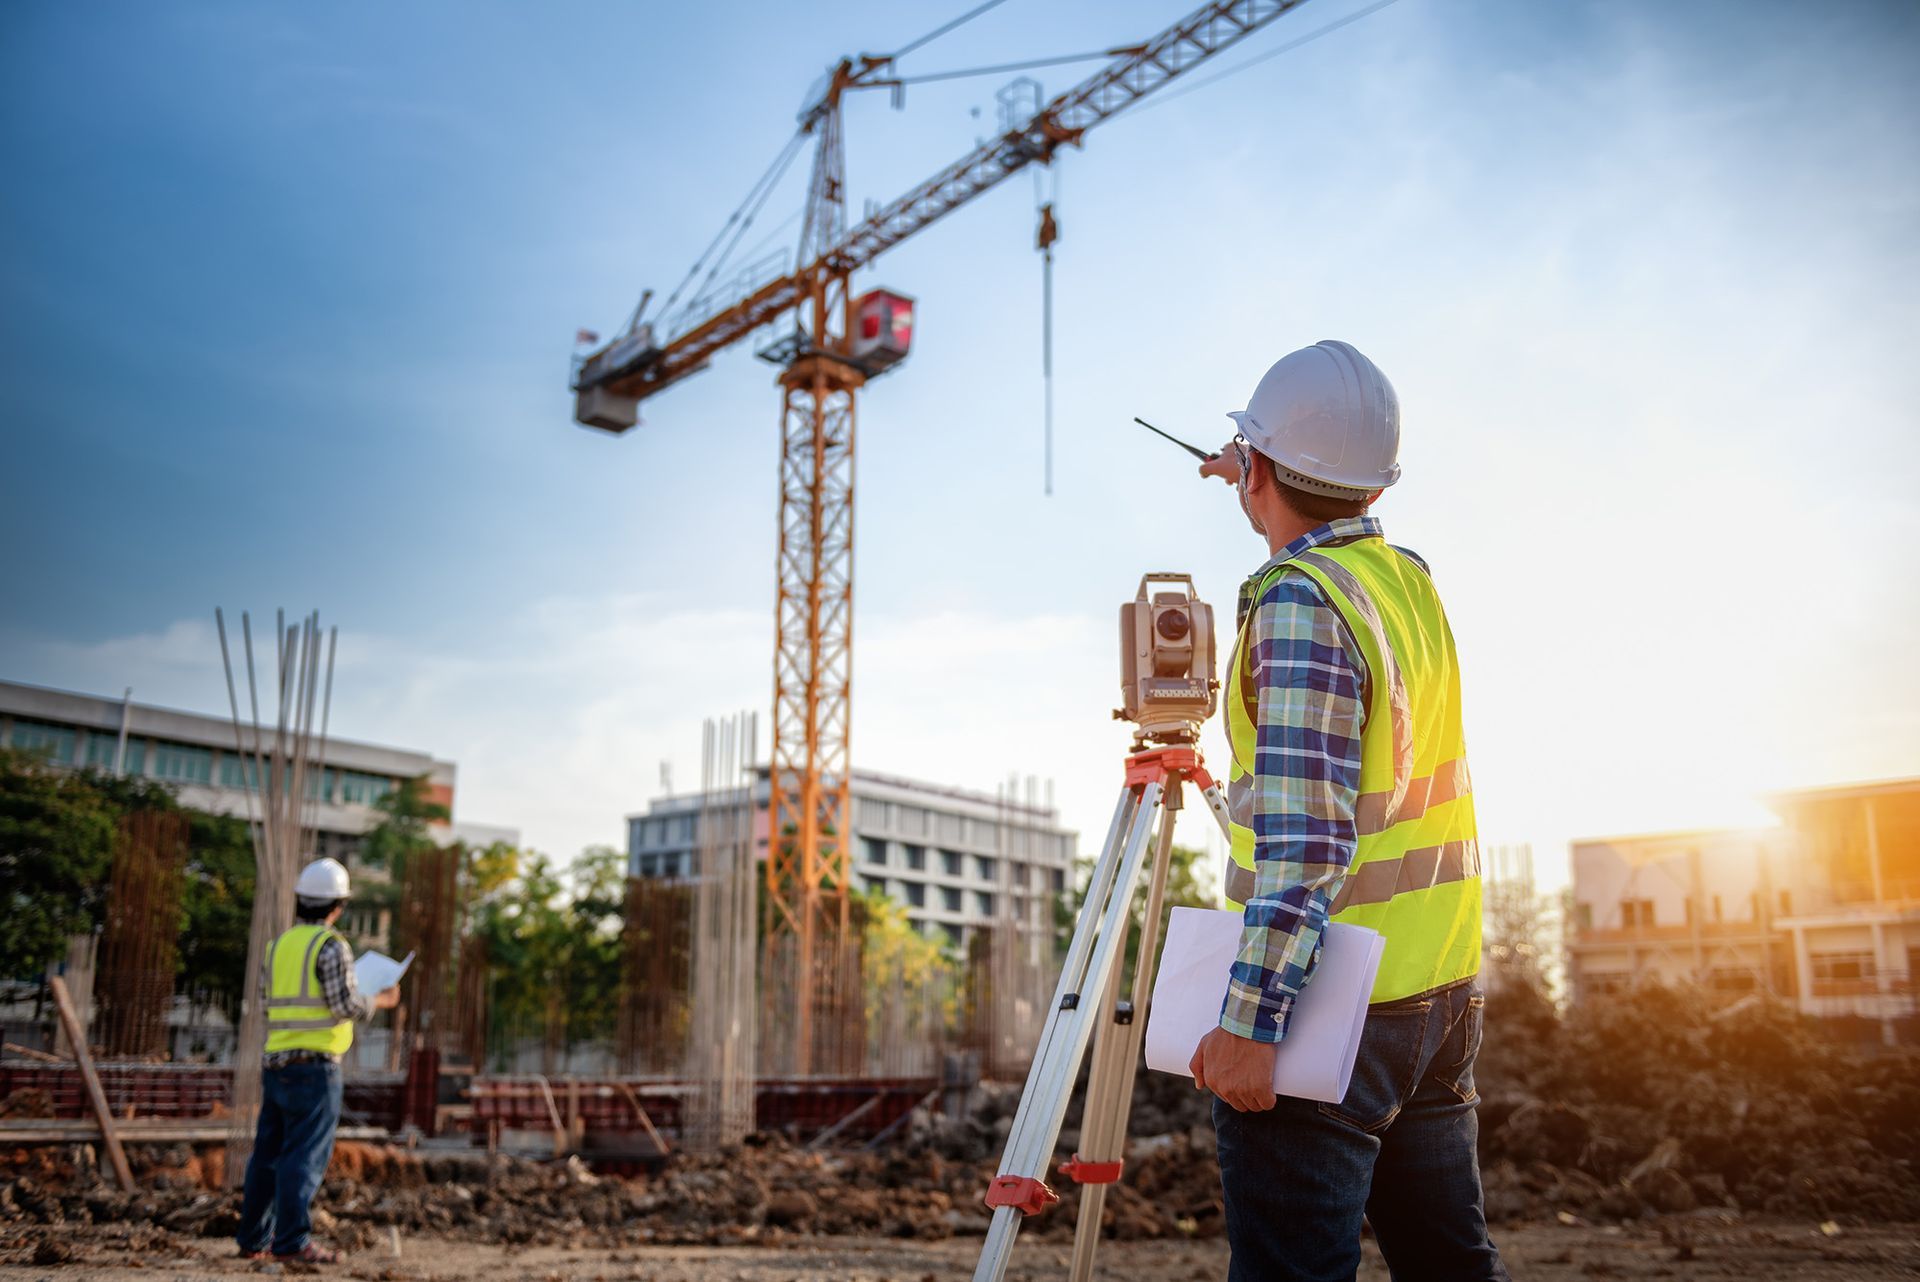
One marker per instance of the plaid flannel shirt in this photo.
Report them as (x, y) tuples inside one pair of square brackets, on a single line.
[(341, 990), (1310, 684)]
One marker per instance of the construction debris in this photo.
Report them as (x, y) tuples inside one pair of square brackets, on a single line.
[(1667, 1101), (1659, 1105)]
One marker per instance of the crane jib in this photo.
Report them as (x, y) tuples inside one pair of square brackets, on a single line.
[(639, 371)]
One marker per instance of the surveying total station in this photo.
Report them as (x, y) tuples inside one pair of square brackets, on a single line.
[(1168, 690)]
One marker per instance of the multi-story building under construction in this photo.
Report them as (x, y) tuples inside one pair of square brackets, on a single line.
[(1824, 909)]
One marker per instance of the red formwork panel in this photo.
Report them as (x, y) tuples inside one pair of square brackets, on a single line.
[(185, 1091), (137, 1090)]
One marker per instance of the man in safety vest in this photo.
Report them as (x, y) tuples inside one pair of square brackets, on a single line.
[(1350, 801), (312, 1000)]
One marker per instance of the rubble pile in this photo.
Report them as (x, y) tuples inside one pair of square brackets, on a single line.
[(1664, 1101)]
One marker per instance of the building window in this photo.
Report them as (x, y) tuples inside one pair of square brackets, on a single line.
[(1059, 881), (1786, 903), (916, 894), (237, 771), (182, 764), (983, 903), (102, 747), (357, 789), (916, 858), (876, 850), (952, 933), (1600, 982), (649, 865), (950, 898), (686, 825), (947, 827), (950, 862), (670, 865), (1732, 979), (986, 869), (1636, 913), (913, 819), (1583, 916), (874, 885), (1842, 970), (55, 742)]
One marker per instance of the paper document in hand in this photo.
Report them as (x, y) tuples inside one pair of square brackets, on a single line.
[(377, 972), (1316, 1057)]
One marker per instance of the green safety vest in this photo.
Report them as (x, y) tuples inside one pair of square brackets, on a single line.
[(1415, 876), (297, 1013)]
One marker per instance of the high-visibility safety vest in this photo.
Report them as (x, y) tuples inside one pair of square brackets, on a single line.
[(1415, 875), (297, 1013)]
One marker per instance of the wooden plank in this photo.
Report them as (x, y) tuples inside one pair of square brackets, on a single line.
[(97, 1097), (646, 1123)]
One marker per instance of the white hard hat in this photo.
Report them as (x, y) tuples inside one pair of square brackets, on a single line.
[(1329, 418), (322, 879)]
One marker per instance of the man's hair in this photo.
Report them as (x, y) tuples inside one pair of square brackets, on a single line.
[(1318, 507), (314, 909)]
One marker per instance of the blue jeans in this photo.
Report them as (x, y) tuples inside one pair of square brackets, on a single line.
[(299, 1111), (1400, 1149)]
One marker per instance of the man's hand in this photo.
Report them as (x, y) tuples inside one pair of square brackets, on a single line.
[(1225, 465), (387, 999), (1237, 1069)]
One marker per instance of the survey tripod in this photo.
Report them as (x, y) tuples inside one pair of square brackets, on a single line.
[(1087, 1004)]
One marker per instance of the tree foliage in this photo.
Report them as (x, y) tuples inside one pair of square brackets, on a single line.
[(56, 849)]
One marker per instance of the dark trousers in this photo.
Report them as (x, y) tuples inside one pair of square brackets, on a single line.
[(299, 1112), (1398, 1149)]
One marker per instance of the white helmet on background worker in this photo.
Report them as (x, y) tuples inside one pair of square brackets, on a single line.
[(1329, 420), (322, 879)]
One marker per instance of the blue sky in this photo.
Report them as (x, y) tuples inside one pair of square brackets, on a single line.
[(287, 294)]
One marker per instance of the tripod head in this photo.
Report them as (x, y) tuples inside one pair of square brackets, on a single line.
[(1167, 682)]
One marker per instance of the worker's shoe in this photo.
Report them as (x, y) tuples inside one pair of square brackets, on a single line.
[(260, 1254), (310, 1254)]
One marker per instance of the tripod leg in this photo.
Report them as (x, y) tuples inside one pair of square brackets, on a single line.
[(1116, 1059), (1092, 959), (1217, 803)]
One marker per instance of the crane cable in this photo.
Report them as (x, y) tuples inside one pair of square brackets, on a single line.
[(760, 190), (942, 30), (1161, 100)]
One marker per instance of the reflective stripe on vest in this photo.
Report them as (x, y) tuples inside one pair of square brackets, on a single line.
[(298, 1017), (1415, 875)]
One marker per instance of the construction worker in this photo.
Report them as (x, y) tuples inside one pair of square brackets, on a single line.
[(1350, 802), (312, 1000)]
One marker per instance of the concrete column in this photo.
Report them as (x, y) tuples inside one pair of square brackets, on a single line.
[(1873, 857), (1802, 970), (1883, 984)]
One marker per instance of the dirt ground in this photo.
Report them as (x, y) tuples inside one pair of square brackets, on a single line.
[(1551, 1252)]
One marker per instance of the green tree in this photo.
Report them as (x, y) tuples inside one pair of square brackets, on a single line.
[(217, 903), (405, 813), (56, 848), (1187, 887)]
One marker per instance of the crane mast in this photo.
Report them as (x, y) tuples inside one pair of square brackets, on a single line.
[(810, 966)]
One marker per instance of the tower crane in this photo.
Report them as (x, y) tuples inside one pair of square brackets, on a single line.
[(837, 343)]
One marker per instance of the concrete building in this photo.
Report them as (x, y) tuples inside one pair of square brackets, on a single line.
[(1850, 900), (1824, 910), (195, 754), (1677, 907), (957, 860)]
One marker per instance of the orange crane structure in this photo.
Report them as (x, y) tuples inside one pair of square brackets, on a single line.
[(837, 343)]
